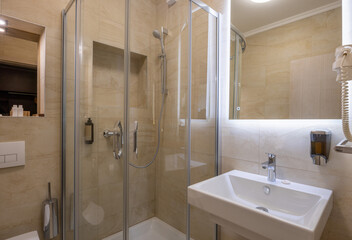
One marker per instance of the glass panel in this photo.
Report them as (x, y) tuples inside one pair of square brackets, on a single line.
[(203, 122), (101, 108), (69, 92), (159, 57), (143, 60)]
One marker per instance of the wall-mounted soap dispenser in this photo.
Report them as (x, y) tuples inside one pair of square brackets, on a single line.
[(89, 131), (320, 146)]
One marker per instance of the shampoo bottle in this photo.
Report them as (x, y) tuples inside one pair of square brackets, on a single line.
[(20, 111), (14, 111)]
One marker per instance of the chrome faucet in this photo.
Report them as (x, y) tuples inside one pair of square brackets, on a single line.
[(271, 166)]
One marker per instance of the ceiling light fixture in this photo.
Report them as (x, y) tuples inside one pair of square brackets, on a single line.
[(2, 30), (260, 1), (3, 22)]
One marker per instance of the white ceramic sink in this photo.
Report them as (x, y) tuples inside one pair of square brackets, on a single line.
[(241, 201), (27, 236)]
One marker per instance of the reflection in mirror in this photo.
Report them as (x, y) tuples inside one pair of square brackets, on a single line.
[(22, 68), (237, 47), (285, 71)]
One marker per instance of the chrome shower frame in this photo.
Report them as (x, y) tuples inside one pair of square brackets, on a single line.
[(77, 62)]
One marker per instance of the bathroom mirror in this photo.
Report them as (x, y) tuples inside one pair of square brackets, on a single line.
[(281, 59), (22, 68)]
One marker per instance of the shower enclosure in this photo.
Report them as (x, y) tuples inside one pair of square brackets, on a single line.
[(146, 75)]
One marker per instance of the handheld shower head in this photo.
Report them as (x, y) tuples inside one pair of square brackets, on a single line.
[(160, 35), (156, 34)]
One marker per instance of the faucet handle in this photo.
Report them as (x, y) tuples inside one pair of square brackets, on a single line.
[(271, 156)]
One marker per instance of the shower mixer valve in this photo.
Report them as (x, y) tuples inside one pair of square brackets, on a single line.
[(117, 139)]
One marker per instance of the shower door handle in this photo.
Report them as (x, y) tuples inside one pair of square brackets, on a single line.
[(118, 145), (117, 139), (135, 137)]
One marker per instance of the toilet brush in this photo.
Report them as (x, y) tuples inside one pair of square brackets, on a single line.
[(50, 217)]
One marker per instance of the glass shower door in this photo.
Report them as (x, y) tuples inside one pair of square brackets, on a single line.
[(157, 92), (101, 101), (141, 120)]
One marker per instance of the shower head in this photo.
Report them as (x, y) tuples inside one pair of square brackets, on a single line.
[(160, 35), (156, 34)]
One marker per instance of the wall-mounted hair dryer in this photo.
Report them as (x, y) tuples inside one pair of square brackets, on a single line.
[(343, 67)]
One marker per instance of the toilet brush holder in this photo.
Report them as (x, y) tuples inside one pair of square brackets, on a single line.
[(50, 217)]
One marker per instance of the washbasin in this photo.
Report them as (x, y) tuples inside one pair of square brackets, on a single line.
[(258, 209)]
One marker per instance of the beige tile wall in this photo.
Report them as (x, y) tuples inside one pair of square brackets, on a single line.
[(312, 81), (267, 68), (18, 50), (22, 189)]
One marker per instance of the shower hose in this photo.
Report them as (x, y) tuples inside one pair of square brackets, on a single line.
[(159, 129)]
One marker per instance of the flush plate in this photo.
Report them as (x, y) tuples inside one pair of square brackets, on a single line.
[(12, 154)]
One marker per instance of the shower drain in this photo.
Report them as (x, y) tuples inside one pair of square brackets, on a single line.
[(263, 209)]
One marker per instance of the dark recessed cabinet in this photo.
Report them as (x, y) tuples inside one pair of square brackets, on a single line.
[(18, 86)]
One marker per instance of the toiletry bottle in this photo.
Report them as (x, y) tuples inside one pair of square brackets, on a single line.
[(14, 111), (20, 111), (89, 131)]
